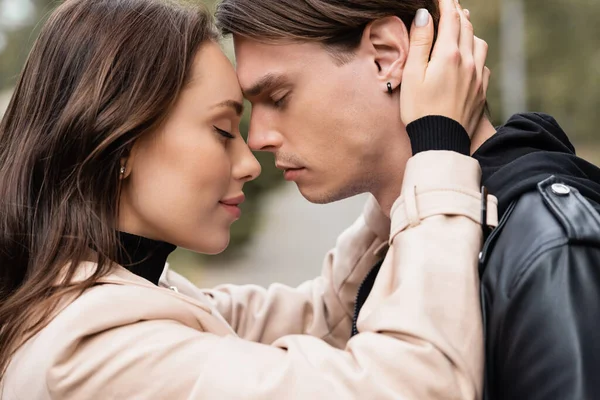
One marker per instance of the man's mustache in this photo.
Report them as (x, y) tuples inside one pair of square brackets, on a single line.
[(288, 161)]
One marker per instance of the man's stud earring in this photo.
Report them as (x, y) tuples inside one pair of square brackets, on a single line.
[(389, 87)]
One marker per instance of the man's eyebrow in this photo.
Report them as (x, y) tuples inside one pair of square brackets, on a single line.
[(235, 105), (265, 84)]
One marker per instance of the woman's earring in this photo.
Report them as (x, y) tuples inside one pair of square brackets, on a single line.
[(122, 171), (389, 87)]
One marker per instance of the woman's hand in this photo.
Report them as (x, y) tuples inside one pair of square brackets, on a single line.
[(453, 82)]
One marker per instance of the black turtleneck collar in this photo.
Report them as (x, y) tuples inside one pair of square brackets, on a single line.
[(144, 257)]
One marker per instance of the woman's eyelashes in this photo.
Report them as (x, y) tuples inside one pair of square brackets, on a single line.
[(224, 133)]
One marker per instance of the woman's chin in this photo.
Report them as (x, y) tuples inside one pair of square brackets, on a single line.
[(213, 246)]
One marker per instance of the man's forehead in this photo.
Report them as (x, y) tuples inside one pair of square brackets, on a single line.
[(261, 67), (255, 60)]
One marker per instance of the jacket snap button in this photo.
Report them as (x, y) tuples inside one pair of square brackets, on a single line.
[(560, 189)]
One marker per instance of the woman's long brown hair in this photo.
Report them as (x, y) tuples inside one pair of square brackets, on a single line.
[(100, 74)]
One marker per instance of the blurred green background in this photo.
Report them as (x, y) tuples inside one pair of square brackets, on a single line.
[(544, 56)]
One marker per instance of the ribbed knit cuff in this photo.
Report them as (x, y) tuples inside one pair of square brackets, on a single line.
[(435, 132)]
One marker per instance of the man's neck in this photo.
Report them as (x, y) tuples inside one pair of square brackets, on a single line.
[(390, 171), (388, 195), (391, 186)]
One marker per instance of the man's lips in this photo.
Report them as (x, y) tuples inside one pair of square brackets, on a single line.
[(292, 174), (285, 167)]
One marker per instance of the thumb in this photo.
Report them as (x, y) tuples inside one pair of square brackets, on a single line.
[(421, 41)]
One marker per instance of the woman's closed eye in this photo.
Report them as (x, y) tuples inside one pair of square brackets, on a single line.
[(224, 133)]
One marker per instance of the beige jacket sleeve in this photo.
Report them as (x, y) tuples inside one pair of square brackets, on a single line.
[(420, 331), (323, 307)]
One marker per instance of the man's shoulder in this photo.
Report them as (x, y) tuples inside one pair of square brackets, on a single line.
[(540, 296), (554, 216)]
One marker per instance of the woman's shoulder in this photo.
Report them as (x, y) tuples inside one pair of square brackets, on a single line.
[(117, 302), (122, 298)]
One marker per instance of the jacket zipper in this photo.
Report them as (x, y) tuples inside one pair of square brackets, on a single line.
[(357, 308), (371, 276)]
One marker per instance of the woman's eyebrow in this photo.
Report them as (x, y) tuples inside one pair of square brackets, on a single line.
[(237, 107)]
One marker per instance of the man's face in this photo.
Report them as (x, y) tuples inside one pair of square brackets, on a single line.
[(328, 125)]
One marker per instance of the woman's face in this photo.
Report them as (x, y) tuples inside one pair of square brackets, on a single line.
[(182, 183)]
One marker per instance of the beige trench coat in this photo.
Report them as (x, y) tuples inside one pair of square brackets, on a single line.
[(420, 329)]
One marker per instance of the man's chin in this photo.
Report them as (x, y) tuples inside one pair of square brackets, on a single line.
[(324, 196)]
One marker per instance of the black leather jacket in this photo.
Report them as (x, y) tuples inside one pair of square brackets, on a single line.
[(540, 272)]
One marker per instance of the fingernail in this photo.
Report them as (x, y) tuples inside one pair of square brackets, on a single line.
[(422, 18), (467, 13)]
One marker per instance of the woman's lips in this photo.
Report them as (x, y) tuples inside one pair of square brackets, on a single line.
[(232, 205), (235, 211)]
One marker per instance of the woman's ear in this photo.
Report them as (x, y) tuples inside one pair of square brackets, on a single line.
[(387, 41), (126, 162)]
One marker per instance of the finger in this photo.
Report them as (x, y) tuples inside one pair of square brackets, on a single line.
[(466, 34), (480, 55), (449, 26), (468, 14), (421, 41), (486, 80)]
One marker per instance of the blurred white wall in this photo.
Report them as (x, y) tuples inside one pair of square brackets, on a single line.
[(4, 99)]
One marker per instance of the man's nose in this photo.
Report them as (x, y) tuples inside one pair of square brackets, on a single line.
[(262, 136)]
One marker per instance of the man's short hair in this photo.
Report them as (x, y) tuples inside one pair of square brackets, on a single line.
[(337, 24)]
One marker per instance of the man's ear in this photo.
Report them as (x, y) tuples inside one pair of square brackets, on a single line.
[(387, 41)]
